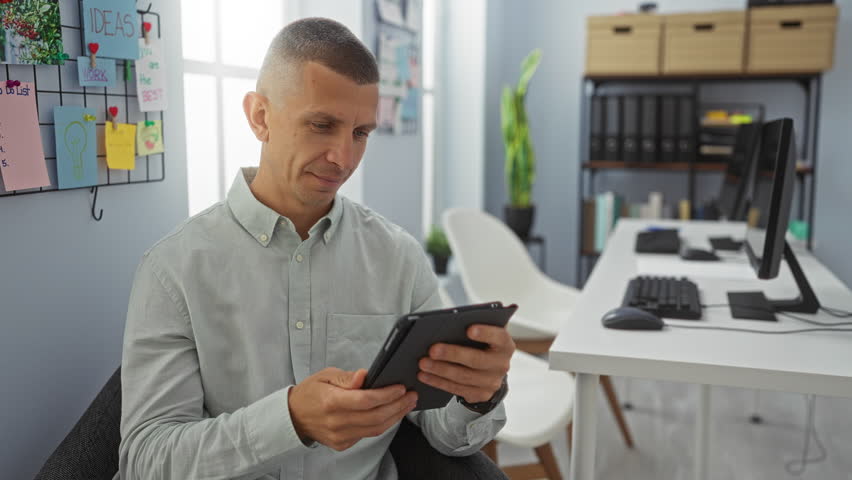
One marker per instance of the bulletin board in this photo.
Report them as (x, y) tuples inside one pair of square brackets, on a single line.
[(398, 54), (59, 85)]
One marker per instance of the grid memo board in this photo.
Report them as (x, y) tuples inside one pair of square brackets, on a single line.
[(59, 85)]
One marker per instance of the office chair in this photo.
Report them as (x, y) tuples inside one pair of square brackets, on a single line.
[(90, 450), (495, 265), (539, 404)]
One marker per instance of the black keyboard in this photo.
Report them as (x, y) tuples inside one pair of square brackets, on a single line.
[(667, 297)]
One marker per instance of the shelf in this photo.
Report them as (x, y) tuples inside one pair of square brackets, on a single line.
[(673, 166), (717, 77), (660, 166)]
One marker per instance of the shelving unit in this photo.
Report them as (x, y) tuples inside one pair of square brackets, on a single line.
[(810, 83)]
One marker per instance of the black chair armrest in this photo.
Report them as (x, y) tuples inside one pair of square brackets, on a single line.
[(90, 450), (416, 460)]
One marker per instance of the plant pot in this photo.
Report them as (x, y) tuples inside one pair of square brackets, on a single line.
[(440, 262), (519, 219)]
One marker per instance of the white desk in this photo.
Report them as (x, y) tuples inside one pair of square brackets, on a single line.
[(816, 363)]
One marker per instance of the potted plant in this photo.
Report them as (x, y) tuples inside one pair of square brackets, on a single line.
[(520, 157), (438, 246)]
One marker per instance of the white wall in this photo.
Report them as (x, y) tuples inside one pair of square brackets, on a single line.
[(460, 153)]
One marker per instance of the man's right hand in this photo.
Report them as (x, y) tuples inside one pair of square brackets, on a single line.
[(329, 407)]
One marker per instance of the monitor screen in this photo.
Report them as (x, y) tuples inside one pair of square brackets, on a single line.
[(733, 196), (765, 245)]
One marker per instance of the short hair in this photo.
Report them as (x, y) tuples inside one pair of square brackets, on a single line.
[(320, 40)]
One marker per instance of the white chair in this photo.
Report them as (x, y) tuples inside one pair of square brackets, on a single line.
[(495, 266), (538, 406)]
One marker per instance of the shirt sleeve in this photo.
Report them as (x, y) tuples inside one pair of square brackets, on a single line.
[(453, 430), (165, 430)]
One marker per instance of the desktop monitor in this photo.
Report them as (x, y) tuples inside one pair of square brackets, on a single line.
[(734, 194), (766, 247)]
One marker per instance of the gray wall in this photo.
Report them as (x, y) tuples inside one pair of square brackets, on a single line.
[(515, 27), (65, 281)]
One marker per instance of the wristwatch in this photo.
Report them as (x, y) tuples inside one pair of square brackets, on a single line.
[(484, 407)]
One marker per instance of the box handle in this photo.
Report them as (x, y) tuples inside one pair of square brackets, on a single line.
[(791, 24), (622, 30), (704, 27)]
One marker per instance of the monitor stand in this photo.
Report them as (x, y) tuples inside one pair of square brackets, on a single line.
[(755, 305)]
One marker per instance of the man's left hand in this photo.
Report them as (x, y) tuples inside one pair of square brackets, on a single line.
[(470, 373)]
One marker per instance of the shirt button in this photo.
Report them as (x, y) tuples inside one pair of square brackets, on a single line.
[(300, 325), (299, 258), (264, 238), (326, 237)]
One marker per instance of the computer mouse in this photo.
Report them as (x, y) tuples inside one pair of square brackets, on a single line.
[(698, 254), (630, 318)]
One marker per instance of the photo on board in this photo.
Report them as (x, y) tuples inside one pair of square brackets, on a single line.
[(30, 32)]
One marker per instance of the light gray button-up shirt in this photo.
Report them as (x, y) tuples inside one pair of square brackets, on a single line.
[(232, 309)]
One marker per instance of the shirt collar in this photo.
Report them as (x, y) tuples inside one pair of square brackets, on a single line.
[(259, 220)]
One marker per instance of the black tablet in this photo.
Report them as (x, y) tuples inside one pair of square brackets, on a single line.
[(415, 333)]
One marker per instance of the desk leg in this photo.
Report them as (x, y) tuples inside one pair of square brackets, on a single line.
[(702, 432), (585, 427)]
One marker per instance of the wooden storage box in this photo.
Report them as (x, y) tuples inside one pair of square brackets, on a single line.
[(791, 39), (712, 42), (623, 45)]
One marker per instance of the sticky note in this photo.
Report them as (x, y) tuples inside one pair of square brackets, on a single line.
[(21, 154), (151, 76), (149, 139), (114, 25), (103, 75), (76, 147), (120, 146)]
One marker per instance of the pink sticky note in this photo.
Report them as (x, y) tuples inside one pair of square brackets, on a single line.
[(21, 154)]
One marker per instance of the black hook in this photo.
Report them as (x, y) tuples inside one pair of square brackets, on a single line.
[(100, 215), (146, 11)]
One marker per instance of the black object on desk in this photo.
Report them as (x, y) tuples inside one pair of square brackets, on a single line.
[(658, 241), (696, 254), (725, 244), (668, 297)]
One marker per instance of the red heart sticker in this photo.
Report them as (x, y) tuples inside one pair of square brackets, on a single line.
[(113, 111), (146, 26), (94, 47)]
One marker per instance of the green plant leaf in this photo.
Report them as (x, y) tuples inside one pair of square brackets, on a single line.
[(528, 68)]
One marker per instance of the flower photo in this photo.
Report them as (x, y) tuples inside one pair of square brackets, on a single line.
[(30, 32)]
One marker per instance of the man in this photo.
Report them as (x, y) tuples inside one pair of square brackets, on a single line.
[(249, 326)]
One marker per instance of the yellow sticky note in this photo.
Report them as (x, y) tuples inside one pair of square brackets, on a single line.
[(120, 146)]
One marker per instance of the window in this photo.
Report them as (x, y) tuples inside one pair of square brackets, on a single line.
[(223, 47), (429, 46)]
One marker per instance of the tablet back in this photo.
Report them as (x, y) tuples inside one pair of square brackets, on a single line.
[(428, 328)]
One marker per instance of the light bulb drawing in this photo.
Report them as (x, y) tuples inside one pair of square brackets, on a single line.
[(76, 141)]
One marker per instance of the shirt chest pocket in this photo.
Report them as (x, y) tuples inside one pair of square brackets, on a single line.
[(354, 340)]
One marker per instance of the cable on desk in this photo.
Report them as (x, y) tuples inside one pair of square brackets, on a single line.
[(836, 312), (797, 467)]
